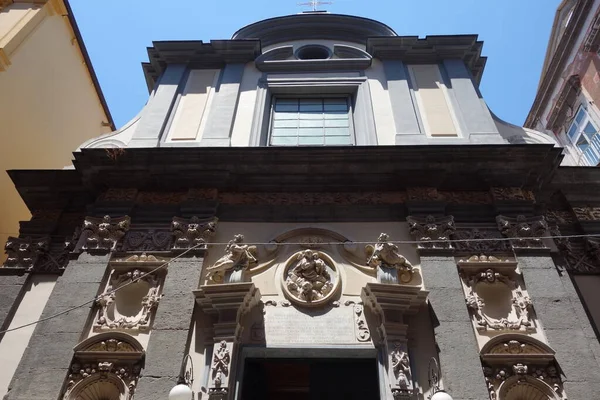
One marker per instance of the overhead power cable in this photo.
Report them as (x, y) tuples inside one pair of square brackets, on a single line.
[(95, 299)]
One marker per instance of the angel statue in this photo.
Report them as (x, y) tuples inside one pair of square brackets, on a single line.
[(237, 259), (392, 267)]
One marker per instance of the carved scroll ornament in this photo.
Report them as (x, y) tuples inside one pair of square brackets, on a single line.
[(432, 232), (102, 234), (392, 267), (525, 230), (192, 232), (23, 253), (109, 315), (521, 306)]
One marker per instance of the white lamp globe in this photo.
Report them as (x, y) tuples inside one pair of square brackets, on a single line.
[(181, 392), (441, 395)]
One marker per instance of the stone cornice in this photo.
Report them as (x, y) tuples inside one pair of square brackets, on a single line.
[(557, 65), (197, 54), (431, 49)]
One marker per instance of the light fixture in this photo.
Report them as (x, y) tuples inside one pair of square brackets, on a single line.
[(183, 389), (434, 382)]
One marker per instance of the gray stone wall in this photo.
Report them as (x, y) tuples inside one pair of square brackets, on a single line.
[(11, 288), (45, 363), (170, 330), (460, 365), (565, 325)]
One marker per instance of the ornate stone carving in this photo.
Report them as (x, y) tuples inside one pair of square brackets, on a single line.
[(192, 232), (232, 266), (100, 375), (479, 240), (362, 329), (466, 197), (202, 195), (143, 292), (23, 253), (402, 386), (533, 380), (305, 198), (432, 232), (118, 195), (111, 345), (310, 278), (588, 213), (517, 318), (560, 217), (220, 367), (102, 234), (423, 194), (524, 230), (392, 267), (150, 239), (512, 194), (160, 197), (581, 255)]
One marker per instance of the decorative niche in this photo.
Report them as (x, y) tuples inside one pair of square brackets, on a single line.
[(131, 307), (495, 296)]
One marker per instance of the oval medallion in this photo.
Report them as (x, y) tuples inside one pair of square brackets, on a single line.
[(310, 278)]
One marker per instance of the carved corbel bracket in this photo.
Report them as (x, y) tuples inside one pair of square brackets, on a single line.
[(433, 233), (525, 232), (23, 253), (102, 234), (192, 232)]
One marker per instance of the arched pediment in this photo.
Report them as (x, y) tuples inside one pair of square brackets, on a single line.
[(343, 57), (516, 388), (512, 346), (110, 345)]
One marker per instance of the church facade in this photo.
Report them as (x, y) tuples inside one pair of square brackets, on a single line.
[(316, 208)]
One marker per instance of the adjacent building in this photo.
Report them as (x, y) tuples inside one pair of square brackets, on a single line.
[(50, 100), (566, 102), (315, 208)]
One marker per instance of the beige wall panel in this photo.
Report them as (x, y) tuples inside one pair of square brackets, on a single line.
[(193, 106), (432, 100), (382, 107), (14, 343), (16, 22), (247, 103), (48, 107)]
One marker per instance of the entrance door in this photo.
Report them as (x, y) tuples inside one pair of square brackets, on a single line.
[(310, 379)]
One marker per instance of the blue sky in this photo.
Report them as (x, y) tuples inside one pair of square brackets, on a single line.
[(515, 35)]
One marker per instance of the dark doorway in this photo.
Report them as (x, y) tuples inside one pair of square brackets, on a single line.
[(310, 379)]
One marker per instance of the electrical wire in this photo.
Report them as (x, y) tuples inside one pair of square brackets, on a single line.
[(95, 299)]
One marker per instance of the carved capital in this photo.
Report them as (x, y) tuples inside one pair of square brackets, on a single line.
[(103, 234), (524, 231), (23, 253), (192, 232), (433, 233)]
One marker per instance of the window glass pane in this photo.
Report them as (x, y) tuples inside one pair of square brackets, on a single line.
[(311, 140), (311, 105), (572, 131), (285, 123), (582, 143), (311, 115), (284, 132), (337, 132), (580, 115), (285, 115), (589, 130), (336, 123), (286, 105), (338, 140), (335, 105), (311, 123), (310, 132), (284, 140)]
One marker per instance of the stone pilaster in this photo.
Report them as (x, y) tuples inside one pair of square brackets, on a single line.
[(565, 324), (226, 304), (171, 330), (392, 303), (46, 360), (11, 288), (462, 375)]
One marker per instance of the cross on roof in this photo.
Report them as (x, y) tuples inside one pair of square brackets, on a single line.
[(314, 4)]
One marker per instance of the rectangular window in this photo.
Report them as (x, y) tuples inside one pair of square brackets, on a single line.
[(311, 122), (583, 133)]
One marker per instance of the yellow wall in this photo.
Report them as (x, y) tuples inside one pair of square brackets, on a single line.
[(48, 102)]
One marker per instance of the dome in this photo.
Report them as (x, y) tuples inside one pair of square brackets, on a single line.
[(314, 25)]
